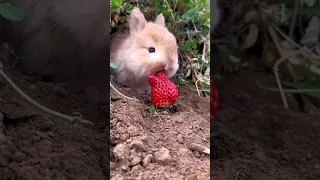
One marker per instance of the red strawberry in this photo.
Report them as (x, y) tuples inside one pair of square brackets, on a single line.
[(163, 92), (214, 101)]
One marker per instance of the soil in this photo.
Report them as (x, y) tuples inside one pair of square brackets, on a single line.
[(259, 139), (164, 144), (37, 146)]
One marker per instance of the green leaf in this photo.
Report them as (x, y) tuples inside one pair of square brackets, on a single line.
[(113, 65), (301, 87), (181, 80), (310, 84), (115, 4), (150, 108), (190, 14), (187, 45), (234, 59), (205, 90), (310, 10), (128, 6), (10, 12)]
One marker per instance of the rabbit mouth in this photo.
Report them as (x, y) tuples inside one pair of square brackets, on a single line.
[(162, 70), (156, 72), (166, 72)]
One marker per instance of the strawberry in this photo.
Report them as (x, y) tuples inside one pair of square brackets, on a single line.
[(163, 92)]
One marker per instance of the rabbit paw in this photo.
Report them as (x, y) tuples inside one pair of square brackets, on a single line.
[(144, 90)]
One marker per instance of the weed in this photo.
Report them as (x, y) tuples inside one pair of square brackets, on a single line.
[(189, 21)]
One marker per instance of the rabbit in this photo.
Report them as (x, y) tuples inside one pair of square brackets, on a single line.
[(142, 49), (66, 41), (221, 18), (215, 14)]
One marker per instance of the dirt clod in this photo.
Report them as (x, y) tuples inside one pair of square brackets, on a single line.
[(180, 139), (136, 160), (183, 152), (147, 132), (137, 145), (120, 151), (162, 156), (147, 160), (117, 177), (259, 138), (133, 131), (40, 146)]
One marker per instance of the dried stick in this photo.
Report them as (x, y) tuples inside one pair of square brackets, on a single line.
[(30, 100), (275, 68)]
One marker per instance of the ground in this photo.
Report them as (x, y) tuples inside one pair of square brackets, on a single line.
[(162, 146), (34, 145), (37, 146), (258, 138)]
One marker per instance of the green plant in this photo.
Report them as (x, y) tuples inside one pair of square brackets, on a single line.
[(188, 20), (10, 12), (113, 65)]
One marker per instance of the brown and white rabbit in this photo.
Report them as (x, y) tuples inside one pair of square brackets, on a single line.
[(66, 41), (143, 49), (215, 14)]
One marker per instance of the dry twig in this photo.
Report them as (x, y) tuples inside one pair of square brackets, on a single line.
[(30, 100)]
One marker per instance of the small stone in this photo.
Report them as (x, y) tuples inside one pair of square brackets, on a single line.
[(180, 139), (136, 160), (1, 122), (197, 154), (18, 156), (112, 166), (309, 155), (50, 134), (86, 148), (61, 91), (3, 138), (117, 136), (1, 118), (124, 168), (136, 168), (183, 152), (4, 162), (133, 131), (162, 156), (137, 145), (32, 87), (180, 120), (40, 134), (143, 138), (117, 177), (36, 138), (147, 160), (128, 140), (124, 137), (120, 151)]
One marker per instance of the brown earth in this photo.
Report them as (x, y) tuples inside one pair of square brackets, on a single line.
[(38, 146), (259, 139), (162, 145), (35, 145)]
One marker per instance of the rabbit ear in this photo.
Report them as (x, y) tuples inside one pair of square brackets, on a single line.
[(137, 21), (160, 20)]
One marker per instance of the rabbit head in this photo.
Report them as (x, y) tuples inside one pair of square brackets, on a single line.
[(146, 48)]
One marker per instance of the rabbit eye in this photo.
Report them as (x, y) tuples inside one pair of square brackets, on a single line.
[(152, 50)]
